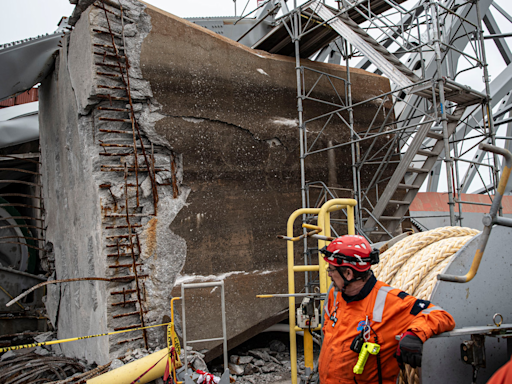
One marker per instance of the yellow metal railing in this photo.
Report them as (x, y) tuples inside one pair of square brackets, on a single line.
[(322, 229)]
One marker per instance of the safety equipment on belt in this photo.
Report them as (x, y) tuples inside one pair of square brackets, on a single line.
[(363, 347), (409, 351), (352, 251), (367, 349)]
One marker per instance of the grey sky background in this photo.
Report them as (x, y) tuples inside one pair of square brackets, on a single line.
[(21, 19)]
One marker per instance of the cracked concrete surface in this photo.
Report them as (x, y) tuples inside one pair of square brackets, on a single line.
[(227, 116), (231, 113)]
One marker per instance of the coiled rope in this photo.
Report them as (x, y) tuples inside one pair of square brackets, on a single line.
[(413, 263)]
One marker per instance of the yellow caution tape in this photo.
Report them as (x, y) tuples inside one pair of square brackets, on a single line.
[(14, 348)]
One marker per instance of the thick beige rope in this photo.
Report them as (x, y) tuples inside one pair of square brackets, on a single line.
[(413, 264), (413, 272), (393, 259)]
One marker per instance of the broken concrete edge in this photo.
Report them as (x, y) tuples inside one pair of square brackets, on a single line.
[(75, 83), (257, 52), (151, 110), (80, 6)]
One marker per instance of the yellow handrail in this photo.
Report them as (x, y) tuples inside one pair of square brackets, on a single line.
[(323, 228)]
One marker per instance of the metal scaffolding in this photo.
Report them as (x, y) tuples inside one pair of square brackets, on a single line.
[(429, 117)]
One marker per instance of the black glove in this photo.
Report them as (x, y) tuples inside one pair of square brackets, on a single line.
[(410, 348)]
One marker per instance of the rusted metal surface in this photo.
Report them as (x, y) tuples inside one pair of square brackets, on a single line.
[(108, 74), (129, 340), (127, 278), (121, 227), (111, 87), (19, 182), (128, 327), (112, 98), (113, 109), (115, 131), (123, 303), (19, 170), (127, 314), (20, 195), (114, 59), (19, 205), (125, 266), (40, 285)]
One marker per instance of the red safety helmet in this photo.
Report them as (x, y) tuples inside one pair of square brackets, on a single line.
[(351, 251)]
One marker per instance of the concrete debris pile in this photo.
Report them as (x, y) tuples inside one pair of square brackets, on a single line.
[(263, 365), (252, 369)]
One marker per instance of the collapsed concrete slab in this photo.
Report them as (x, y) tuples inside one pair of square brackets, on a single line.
[(172, 154)]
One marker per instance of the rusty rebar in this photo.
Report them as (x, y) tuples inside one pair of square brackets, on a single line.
[(110, 87), (28, 159), (128, 327), (20, 195), (132, 113), (123, 292), (175, 191), (122, 227), (115, 131), (127, 314), (108, 74), (124, 265), (128, 340), (19, 205), (20, 217), (20, 182), (134, 261), (110, 97), (123, 303), (20, 237), (19, 170), (21, 296), (25, 244)]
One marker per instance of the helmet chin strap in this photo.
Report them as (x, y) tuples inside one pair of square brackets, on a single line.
[(346, 282)]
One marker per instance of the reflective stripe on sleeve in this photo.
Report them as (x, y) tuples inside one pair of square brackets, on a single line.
[(380, 301), (434, 308)]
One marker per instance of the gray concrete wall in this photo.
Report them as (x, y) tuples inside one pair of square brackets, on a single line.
[(232, 114), (89, 196), (227, 116), (72, 215)]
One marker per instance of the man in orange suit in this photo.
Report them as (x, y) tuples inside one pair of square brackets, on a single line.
[(363, 310)]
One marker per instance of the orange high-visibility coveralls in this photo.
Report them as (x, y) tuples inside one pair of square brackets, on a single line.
[(390, 312), (502, 375)]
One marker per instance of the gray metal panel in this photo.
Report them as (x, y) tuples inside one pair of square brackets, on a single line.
[(20, 130), (26, 64), (472, 304), (389, 69)]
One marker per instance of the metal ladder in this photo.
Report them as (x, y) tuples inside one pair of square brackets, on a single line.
[(419, 174)]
